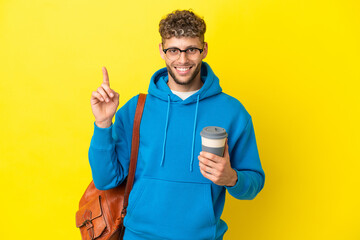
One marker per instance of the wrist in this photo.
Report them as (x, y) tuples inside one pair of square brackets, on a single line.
[(234, 178), (103, 124)]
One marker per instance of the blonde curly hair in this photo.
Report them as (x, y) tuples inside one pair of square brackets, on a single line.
[(182, 23)]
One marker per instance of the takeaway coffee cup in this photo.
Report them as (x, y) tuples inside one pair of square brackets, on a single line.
[(213, 140)]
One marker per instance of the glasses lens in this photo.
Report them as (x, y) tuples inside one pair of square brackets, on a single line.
[(173, 53)]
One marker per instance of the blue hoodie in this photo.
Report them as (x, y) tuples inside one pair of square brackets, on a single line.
[(170, 198)]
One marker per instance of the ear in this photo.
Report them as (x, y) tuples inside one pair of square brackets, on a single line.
[(162, 54), (205, 50)]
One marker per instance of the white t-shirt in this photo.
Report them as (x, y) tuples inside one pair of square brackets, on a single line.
[(184, 95)]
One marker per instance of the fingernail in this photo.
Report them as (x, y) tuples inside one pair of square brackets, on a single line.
[(107, 100), (111, 94)]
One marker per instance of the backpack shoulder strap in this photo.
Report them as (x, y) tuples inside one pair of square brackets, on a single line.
[(134, 149)]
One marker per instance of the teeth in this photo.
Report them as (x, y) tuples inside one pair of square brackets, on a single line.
[(182, 69)]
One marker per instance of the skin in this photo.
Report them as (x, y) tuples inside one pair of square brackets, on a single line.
[(218, 169), (105, 101), (191, 81)]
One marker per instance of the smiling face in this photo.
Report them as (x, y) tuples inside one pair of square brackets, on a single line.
[(184, 73)]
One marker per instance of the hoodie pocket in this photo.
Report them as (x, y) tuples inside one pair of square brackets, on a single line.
[(171, 210)]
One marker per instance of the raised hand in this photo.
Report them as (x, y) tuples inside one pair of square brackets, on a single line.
[(104, 102)]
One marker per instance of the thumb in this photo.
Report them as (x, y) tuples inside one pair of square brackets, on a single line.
[(116, 97), (226, 150)]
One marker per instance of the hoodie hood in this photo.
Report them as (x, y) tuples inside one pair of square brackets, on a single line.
[(158, 88)]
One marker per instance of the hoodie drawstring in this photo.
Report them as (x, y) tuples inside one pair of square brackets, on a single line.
[(193, 141), (194, 130), (166, 125)]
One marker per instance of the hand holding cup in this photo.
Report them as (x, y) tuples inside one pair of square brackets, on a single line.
[(214, 159)]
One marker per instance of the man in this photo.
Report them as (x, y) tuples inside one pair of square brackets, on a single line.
[(179, 191)]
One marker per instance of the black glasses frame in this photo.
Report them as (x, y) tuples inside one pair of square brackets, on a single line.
[(200, 50)]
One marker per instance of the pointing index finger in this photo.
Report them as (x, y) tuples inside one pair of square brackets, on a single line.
[(105, 76)]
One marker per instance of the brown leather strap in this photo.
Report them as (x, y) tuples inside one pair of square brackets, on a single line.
[(134, 150)]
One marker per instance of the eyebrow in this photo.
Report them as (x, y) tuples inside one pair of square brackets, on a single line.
[(191, 46)]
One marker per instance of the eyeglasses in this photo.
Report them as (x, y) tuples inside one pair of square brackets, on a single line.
[(191, 53)]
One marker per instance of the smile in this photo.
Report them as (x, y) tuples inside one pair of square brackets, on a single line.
[(183, 70)]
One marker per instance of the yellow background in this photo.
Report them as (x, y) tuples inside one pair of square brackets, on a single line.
[(293, 64)]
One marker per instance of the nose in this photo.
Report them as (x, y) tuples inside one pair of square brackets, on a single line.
[(182, 57)]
